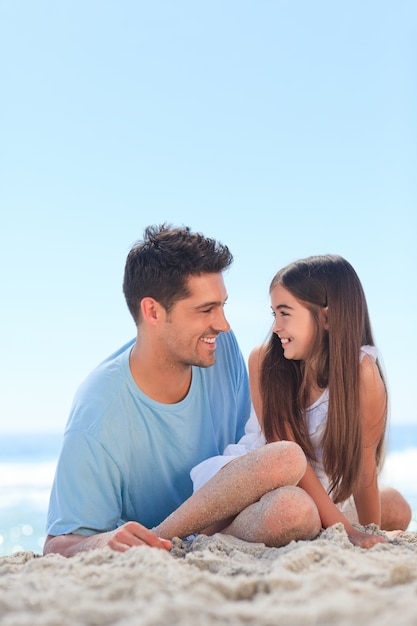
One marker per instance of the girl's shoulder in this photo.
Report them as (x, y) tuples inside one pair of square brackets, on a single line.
[(373, 400), (373, 391), (371, 351), (369, 370), (257, 355), (255, 360)]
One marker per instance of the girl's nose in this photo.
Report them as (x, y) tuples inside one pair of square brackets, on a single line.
[(276, 327)]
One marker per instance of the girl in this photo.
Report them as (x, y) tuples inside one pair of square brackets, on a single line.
[(318, 382)]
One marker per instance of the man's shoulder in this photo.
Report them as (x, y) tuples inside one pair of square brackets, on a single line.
[(101, 388), (116, 356), (111, 364)]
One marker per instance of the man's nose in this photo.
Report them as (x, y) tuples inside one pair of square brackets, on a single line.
[(223, 324)]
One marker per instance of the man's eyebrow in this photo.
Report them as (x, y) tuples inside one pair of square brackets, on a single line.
[(207, 305)]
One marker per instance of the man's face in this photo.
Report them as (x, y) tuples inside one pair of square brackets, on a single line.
[(193, 324)]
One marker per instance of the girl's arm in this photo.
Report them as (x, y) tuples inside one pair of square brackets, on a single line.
[(254, 370), (329, 513), (372, 407)]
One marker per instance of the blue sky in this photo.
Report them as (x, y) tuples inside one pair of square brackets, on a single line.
[(281, 128)]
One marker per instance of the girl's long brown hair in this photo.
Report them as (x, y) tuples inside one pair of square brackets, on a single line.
[(318, 282)]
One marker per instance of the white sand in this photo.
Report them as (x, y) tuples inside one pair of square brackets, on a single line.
[(216, 580)]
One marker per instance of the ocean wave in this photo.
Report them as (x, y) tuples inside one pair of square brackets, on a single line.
[(17, 475)]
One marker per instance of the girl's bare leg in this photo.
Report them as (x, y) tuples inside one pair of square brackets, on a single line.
[(395, 511), (239, 485), (280, 516)]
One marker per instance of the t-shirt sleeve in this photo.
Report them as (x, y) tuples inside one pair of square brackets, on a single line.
[(86, 493), (238, 372)]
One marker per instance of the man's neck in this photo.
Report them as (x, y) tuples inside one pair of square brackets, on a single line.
[(158, 380)]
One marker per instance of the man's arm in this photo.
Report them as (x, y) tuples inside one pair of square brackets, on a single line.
[(120, 539)]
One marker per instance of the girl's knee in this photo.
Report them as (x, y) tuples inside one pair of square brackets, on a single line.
[(287, 461), (292, 508), (395, 511)]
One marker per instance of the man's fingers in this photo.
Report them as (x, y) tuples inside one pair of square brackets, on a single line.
[(134, 534)]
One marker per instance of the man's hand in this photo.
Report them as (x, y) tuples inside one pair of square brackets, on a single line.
[(134, 534), (120, 539)]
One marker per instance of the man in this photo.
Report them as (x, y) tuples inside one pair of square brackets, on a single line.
[(175, 396)]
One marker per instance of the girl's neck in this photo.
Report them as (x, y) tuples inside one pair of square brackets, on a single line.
[(312, 389), (314, 395)]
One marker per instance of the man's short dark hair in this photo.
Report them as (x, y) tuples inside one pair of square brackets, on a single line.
[(160, 265)]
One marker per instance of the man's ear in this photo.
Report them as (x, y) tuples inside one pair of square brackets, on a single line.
[(151, 310), (325, 317)]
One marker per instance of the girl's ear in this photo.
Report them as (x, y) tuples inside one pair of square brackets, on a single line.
[(325, 317)]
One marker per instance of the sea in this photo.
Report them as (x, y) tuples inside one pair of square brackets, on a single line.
[(28, 461)]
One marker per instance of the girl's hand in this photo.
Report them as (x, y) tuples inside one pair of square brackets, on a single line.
[(364, 540)]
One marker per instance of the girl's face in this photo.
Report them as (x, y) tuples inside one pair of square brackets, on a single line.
[(294, 324)]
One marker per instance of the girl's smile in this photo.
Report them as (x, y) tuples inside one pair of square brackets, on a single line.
[(294, 324)]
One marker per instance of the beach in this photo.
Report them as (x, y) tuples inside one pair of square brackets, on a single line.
[(216, 580), (208, 581)]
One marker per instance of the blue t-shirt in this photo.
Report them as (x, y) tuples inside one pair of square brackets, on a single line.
[(126, 457)]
